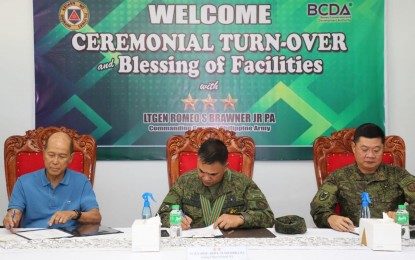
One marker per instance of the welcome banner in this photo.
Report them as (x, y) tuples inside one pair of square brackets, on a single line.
[(134, 72)]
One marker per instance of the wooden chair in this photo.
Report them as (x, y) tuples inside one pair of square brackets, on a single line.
[(182, 151), (24, 154), (333, 152)]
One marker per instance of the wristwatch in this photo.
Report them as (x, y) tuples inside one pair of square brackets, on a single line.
[(78, 214)]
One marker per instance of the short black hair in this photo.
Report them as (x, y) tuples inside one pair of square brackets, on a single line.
[(369, 130), (213, 150)]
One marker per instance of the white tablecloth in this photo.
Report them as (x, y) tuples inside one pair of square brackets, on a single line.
[(315, 244)]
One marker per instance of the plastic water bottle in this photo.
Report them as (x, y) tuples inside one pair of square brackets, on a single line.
[(402, 217), (364, 211), (175, 222), (146, 212)]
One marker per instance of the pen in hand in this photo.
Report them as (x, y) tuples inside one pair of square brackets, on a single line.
[(13, 213), (184, 216)]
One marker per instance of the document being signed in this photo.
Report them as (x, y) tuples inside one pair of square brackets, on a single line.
[(43, 234), (208, 231)]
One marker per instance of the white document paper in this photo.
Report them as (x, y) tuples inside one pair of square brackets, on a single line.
[(43, 234), (4, 237), (208, 231)]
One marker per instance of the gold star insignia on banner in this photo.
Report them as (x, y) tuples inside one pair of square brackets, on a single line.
[(189, 102), (209, 103), (229, 102)]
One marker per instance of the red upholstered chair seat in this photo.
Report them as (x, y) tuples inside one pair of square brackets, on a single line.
[(30, 162), (336, 161), (23, 154), (188, 162), (333, 152), (182, 150)]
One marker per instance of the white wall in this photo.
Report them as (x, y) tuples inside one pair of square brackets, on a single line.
[(288, 185)]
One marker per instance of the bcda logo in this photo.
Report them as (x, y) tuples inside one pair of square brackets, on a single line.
[(328, 9)]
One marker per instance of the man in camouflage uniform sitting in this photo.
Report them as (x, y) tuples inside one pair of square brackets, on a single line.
[(387, 185), (214, 194)]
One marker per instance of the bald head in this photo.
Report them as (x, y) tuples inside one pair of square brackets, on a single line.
[(57, 156), (62, 138)]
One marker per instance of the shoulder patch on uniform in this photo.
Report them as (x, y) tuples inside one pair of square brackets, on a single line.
[(411, 187), (165, 208), (324, 195), (261, 205)]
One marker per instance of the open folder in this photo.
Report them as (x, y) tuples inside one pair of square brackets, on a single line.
[(249, 232), (73, 231), (42, 233), (89, 230)]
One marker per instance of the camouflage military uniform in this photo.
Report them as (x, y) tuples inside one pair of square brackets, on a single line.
[(388, 187), (242, 197)]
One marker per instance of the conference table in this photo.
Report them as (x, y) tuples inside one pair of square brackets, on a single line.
[(314, 244)]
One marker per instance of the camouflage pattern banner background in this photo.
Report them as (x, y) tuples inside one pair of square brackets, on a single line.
[(134, 72)]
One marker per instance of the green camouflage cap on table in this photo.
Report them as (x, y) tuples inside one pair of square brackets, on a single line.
[(290, 224)]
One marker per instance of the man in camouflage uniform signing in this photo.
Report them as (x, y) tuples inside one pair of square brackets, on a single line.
[(214, 194), (387, 185)]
